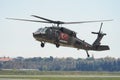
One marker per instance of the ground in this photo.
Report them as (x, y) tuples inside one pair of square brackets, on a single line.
[(57, 75)]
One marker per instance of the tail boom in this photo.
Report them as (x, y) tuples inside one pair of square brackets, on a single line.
[(100, 48)]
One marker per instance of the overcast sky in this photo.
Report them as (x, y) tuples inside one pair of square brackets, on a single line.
[(16, 36)]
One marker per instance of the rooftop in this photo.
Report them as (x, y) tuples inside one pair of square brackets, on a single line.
[(5, 59)]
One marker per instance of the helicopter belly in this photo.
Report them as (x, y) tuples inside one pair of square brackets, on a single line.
[(52, 41), (41, 39)]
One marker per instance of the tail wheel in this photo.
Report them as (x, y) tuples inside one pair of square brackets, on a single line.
[(42, 44), (87, 54)]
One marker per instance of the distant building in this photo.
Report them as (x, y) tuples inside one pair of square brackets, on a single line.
[(5, 59)]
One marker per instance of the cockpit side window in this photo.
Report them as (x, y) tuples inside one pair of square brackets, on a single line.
[(42, 30)]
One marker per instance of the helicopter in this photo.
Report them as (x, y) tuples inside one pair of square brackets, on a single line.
[(61, 36)]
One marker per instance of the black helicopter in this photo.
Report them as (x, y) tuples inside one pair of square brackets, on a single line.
[(61, 36)]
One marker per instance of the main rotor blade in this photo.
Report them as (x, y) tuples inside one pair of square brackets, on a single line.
[(43, 18), (28, 20), (49, 20), (56, 22), (86, 21)]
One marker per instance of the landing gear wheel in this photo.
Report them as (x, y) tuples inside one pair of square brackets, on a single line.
[(42, 45), (88, 55), (57, 45)]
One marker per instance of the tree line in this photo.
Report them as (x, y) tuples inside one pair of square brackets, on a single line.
[(63, 64)]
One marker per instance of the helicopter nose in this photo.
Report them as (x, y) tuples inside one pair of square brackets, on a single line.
[(35, 35)]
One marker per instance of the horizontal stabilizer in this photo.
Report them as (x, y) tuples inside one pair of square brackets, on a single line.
[(101, 48)]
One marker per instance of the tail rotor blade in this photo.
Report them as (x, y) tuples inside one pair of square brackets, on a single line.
[(100, 27)]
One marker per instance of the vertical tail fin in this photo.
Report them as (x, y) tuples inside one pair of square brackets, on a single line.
[(99, 36)]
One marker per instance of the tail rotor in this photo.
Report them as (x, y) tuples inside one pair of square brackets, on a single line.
[(100, 32), (100, 35)]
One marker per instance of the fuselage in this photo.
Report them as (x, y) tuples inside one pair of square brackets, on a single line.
[(61, 36)]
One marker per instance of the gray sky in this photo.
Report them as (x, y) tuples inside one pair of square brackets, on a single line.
[(16, 36)]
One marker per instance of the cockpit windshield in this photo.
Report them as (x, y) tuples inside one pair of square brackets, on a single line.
[(42, 30)]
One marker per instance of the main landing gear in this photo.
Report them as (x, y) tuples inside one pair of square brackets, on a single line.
[(57, 45), (42, 44)]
